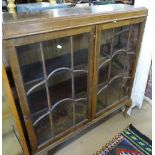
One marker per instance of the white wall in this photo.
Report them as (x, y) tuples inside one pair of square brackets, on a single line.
[(144, 61)]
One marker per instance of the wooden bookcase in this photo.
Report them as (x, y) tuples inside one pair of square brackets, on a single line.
[(71, 67)]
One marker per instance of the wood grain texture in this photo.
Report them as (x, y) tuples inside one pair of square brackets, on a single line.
[(91, 72), (54, 20), (96, 63), (21, 94)]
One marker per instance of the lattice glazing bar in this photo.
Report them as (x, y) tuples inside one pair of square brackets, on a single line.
[(72, 75), (111, 50), (47, 90), (52, 73), (55, 105)]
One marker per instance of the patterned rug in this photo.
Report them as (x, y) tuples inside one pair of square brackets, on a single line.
[(128, 142)]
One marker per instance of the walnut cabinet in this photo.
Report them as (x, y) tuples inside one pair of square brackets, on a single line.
[(71, 67)]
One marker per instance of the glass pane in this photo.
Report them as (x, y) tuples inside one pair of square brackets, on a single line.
[(81, 104), (80, 65), (120, 39), (128, 65), (117, 64), (81, 110), (113, 91), (57, 54), (60, 86), (66, 76), (101, 100), (62, 117), (31, 64), (125, 88), (80, 48), (80, 85), (103, 75), (117, 49), (42, 128), (102, 87), (105, 48), (133, 37), (37, 98), (30, 61)]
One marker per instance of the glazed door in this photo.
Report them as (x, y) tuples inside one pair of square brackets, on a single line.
[(115, 58), (55, 76)]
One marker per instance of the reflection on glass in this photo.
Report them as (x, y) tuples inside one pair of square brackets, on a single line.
[(101, 100), (120, 39), (125, 87), (30, 61), (105, 48), (37, 99), (55, 76), (117, 49), (60, 86), (80, 85), (113, 91), (133, 37), (103, 75), (57, 54), (62, 117), (117, 64), (109, 95), (80, 59), (80, 48), (42, 128), (81, 110), (128, 65)]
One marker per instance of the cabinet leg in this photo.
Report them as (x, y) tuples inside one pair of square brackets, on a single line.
[(128, 104)]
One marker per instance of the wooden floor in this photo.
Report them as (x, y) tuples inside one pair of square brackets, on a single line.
[(90, 142)]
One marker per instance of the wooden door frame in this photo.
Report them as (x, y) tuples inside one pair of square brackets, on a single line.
[(15, 67), (105, 26)]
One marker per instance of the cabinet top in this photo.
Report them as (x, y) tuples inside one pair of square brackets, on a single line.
[(23, 24)]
